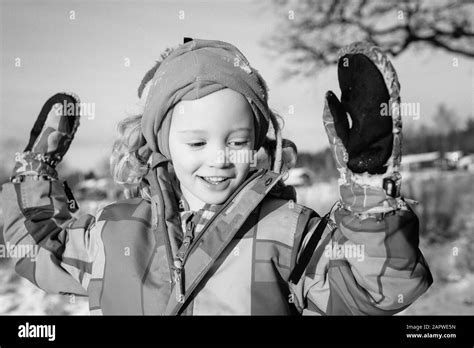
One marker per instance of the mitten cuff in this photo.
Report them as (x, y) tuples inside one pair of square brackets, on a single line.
[(32, 164), (368, 195)]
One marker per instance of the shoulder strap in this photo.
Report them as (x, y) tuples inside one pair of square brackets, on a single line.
[(308, 250)]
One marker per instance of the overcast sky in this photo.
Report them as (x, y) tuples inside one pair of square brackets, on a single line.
[(87, 55)]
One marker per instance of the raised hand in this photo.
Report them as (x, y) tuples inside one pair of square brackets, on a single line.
[(364, 128), (50, 137)]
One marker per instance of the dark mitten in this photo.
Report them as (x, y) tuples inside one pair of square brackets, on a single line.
[(364, 99), (364, 129)]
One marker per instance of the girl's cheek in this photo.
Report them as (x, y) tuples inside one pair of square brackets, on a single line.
[(182, 158), (191, 159)]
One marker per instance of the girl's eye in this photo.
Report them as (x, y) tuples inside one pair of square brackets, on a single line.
[(239, 143), (196, 144)]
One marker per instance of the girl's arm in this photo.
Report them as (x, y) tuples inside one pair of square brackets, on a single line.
[(363, 265), (62, 250), (369, 261), (51, 248)]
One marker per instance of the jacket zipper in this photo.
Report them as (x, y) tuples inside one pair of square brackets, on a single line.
[(179, 260), (195, 242)]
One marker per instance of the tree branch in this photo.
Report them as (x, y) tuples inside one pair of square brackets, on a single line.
[(313, 38)]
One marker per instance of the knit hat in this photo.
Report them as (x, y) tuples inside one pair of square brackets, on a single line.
[(192, 71)]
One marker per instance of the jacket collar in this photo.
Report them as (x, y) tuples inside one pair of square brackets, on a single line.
[(220, 230)]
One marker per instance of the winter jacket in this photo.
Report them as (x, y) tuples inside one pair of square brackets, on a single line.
[(239, 263)]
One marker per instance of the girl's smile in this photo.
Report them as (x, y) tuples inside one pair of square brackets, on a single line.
[(216, 183)]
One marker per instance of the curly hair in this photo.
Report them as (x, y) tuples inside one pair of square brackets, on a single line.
[(129, 161), (127, 164)]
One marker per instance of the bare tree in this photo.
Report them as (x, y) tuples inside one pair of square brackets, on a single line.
[(311, 32)]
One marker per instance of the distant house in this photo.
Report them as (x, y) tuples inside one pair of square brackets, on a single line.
[(466, 163), (430, 160), (419, 161), (453, 156)]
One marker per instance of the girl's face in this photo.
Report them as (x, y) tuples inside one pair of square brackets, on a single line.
[(206, 137)]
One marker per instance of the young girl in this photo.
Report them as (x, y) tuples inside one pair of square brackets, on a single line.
[(206, 229)]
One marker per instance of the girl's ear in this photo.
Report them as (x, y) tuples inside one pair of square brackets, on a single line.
[(266, 154), (290, 154)]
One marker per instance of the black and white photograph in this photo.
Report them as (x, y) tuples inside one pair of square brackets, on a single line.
[(237, 158)]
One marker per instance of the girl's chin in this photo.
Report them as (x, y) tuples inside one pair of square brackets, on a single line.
[(215, 197)]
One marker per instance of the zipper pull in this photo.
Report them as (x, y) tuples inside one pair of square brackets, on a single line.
[(189, 236), (178, 279), (190, 227)]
